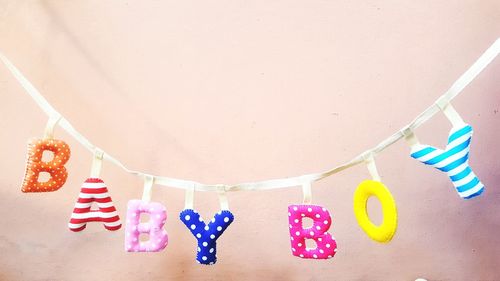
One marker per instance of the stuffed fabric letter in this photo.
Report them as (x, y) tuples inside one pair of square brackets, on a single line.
[(158, 238), (94, 190), (35, 165), (206, 234), (325, 243), (454, 161)]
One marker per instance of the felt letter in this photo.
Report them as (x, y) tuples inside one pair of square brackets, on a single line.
[(206, 234), (326, 245), (94, 190), (158, 237), (454, 161), (55, 167)]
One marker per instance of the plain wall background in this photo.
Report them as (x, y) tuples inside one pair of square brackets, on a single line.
[(235, 91)]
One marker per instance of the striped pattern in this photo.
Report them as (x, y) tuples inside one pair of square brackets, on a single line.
[(454, 161), (94, 190)]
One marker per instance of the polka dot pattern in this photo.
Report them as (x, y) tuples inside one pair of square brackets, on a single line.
[(158, 237), (55, 167), (206, 234), (326, 246)]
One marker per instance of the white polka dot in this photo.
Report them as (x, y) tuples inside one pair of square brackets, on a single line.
[(289, 214), (205, 244), (219, 228), (200, 219), (291, 238), (321, 251), (329, 256), (328, 245), (320, 239), (325, 222), (293, 249), (297, 233), (211, 250), (198, 235), (226, 219), (303, 215), (318, 227), (213, 220), (296, 220), (295, 208), (318, 216), (324, 209), (335, 250), (199, 249), (187, 217), (309, 209), (290, 226), (206, 227), (193, 226), (311, 233), (212, 236), (204, 258), (315, 256), (211, 263), (301, 255), (299, 244)]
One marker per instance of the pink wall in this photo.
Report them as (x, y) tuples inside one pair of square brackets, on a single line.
[(233, 91)]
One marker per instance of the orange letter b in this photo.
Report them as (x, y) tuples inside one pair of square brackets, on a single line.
[(55, 167)]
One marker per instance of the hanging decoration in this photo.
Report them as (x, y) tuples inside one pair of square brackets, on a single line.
[(94, 190), (382, 233), (55, 167), (326, 246), (157, 235), (206, 234), (453, 160)]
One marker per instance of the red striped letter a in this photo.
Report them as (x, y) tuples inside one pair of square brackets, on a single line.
[(94, 190)]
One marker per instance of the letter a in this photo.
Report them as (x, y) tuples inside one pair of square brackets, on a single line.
[(94, 190)]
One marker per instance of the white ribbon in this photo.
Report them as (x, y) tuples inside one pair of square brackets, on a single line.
[(457, 87), (149, 180)]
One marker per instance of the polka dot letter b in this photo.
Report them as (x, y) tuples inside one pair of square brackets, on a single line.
[(325, 243), (35, 165)]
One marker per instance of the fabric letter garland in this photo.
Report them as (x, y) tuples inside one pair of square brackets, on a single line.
[(94, 190), (326, 244), (454, 161), (158, 237), (206, 234)]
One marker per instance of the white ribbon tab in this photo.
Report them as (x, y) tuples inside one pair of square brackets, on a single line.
[(96, 167), (306, 193), (147, 192), (221, 192), (51, 124), (372, 167), (450, 112)]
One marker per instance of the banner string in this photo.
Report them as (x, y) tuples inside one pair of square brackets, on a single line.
[(488, 56)]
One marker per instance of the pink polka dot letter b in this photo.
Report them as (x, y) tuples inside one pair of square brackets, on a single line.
[(158, 238), (325, 243)]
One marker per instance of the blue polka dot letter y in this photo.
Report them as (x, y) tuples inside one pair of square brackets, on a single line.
[(206, 234)]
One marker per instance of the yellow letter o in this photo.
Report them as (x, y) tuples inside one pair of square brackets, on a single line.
[(384, 232)]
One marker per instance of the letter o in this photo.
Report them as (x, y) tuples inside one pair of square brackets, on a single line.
[(384, 232)]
